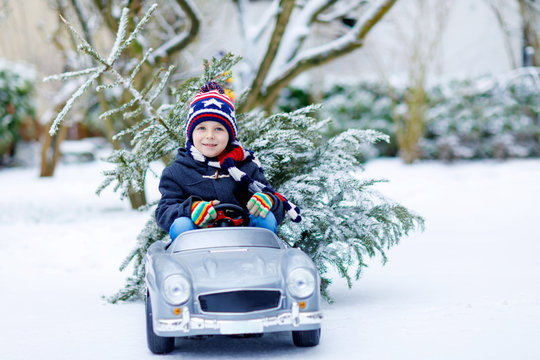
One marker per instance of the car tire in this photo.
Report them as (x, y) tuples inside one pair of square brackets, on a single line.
[(156, 344), (306, 338)]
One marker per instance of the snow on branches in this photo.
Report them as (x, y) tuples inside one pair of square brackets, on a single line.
[(286, 54), (344, 220)]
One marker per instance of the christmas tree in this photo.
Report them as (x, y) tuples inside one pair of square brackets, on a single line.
[(344, 219)]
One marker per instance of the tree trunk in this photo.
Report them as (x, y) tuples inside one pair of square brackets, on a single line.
[(50, 150), (531, 36), (282, 21), (410, 126), (137, 198)]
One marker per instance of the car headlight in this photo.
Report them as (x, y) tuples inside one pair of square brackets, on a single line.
[(176, 289), (301, 283)]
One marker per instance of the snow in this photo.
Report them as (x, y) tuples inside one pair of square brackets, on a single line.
[(465, 288)]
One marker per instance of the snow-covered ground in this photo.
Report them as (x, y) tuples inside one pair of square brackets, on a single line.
[(468, 287)]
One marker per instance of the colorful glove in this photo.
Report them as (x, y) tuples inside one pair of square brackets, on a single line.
[(260, 204), (202, 212)]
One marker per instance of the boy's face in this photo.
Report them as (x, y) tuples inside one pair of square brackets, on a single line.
[(210, 138)]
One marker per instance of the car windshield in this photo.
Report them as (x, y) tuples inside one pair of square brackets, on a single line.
[(226, 237)]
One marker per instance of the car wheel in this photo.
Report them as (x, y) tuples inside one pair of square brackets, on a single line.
[(156, 344), (306, 338)]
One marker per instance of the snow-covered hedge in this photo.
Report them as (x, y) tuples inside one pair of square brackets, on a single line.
[(16, 104), (366, 106), (486, 117)]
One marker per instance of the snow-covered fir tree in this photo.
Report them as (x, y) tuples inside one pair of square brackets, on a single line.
[(344, 219)]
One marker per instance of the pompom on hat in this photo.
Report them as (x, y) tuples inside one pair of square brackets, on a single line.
[(212, 104)]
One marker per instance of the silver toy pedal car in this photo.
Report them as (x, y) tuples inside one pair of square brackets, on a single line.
[(230, 280)]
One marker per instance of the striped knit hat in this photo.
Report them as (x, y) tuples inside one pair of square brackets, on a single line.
[(211, 104)]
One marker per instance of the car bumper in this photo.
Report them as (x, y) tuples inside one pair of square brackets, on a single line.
[(188, 325)]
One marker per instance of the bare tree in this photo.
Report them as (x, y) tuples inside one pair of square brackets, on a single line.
[(528, 29), (419, 33), (286, 56), (500, 9), (530, 17)]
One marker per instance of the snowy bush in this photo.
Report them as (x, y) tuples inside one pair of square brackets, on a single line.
[(486, 117), (483, 118), (365, 106), (16, 104)]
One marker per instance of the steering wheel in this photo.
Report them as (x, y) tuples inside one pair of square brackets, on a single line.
[(230, 215)]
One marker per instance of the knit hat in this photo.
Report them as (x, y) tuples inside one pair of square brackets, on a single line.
[(211, 104)]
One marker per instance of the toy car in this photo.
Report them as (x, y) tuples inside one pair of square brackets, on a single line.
[(230, 280)]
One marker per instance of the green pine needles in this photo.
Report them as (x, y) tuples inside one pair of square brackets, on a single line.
[(344, 222)]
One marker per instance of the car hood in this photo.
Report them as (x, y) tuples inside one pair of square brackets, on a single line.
[(233, 267)]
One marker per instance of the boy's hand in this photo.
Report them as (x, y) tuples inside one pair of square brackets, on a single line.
[(202, 212), (259, 204)]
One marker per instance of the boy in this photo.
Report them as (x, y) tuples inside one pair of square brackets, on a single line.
[(213, 168)]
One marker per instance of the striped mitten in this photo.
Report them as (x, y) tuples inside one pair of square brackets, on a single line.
[(202, 212), (260, 204)]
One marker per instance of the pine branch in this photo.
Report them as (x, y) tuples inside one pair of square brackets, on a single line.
[(116, 49), (135, 286), (69, 104), (121, 43), (139, 66), (71, 74), (344, 220)]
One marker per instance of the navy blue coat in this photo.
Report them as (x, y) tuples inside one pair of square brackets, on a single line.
[(186, 181)]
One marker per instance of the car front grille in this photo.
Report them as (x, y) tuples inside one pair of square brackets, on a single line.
[(241, 301)]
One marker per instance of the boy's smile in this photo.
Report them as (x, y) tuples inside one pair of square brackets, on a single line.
[(210, 138)]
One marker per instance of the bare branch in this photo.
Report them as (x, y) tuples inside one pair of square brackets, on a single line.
[(282, 20), (105, 8), (251, 35), (266, 20), (180, 41), (531, 5), (82, 20), (311, 58), (341, 11), (506, 32), (531, 36), (295, 36), (5, 10)]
